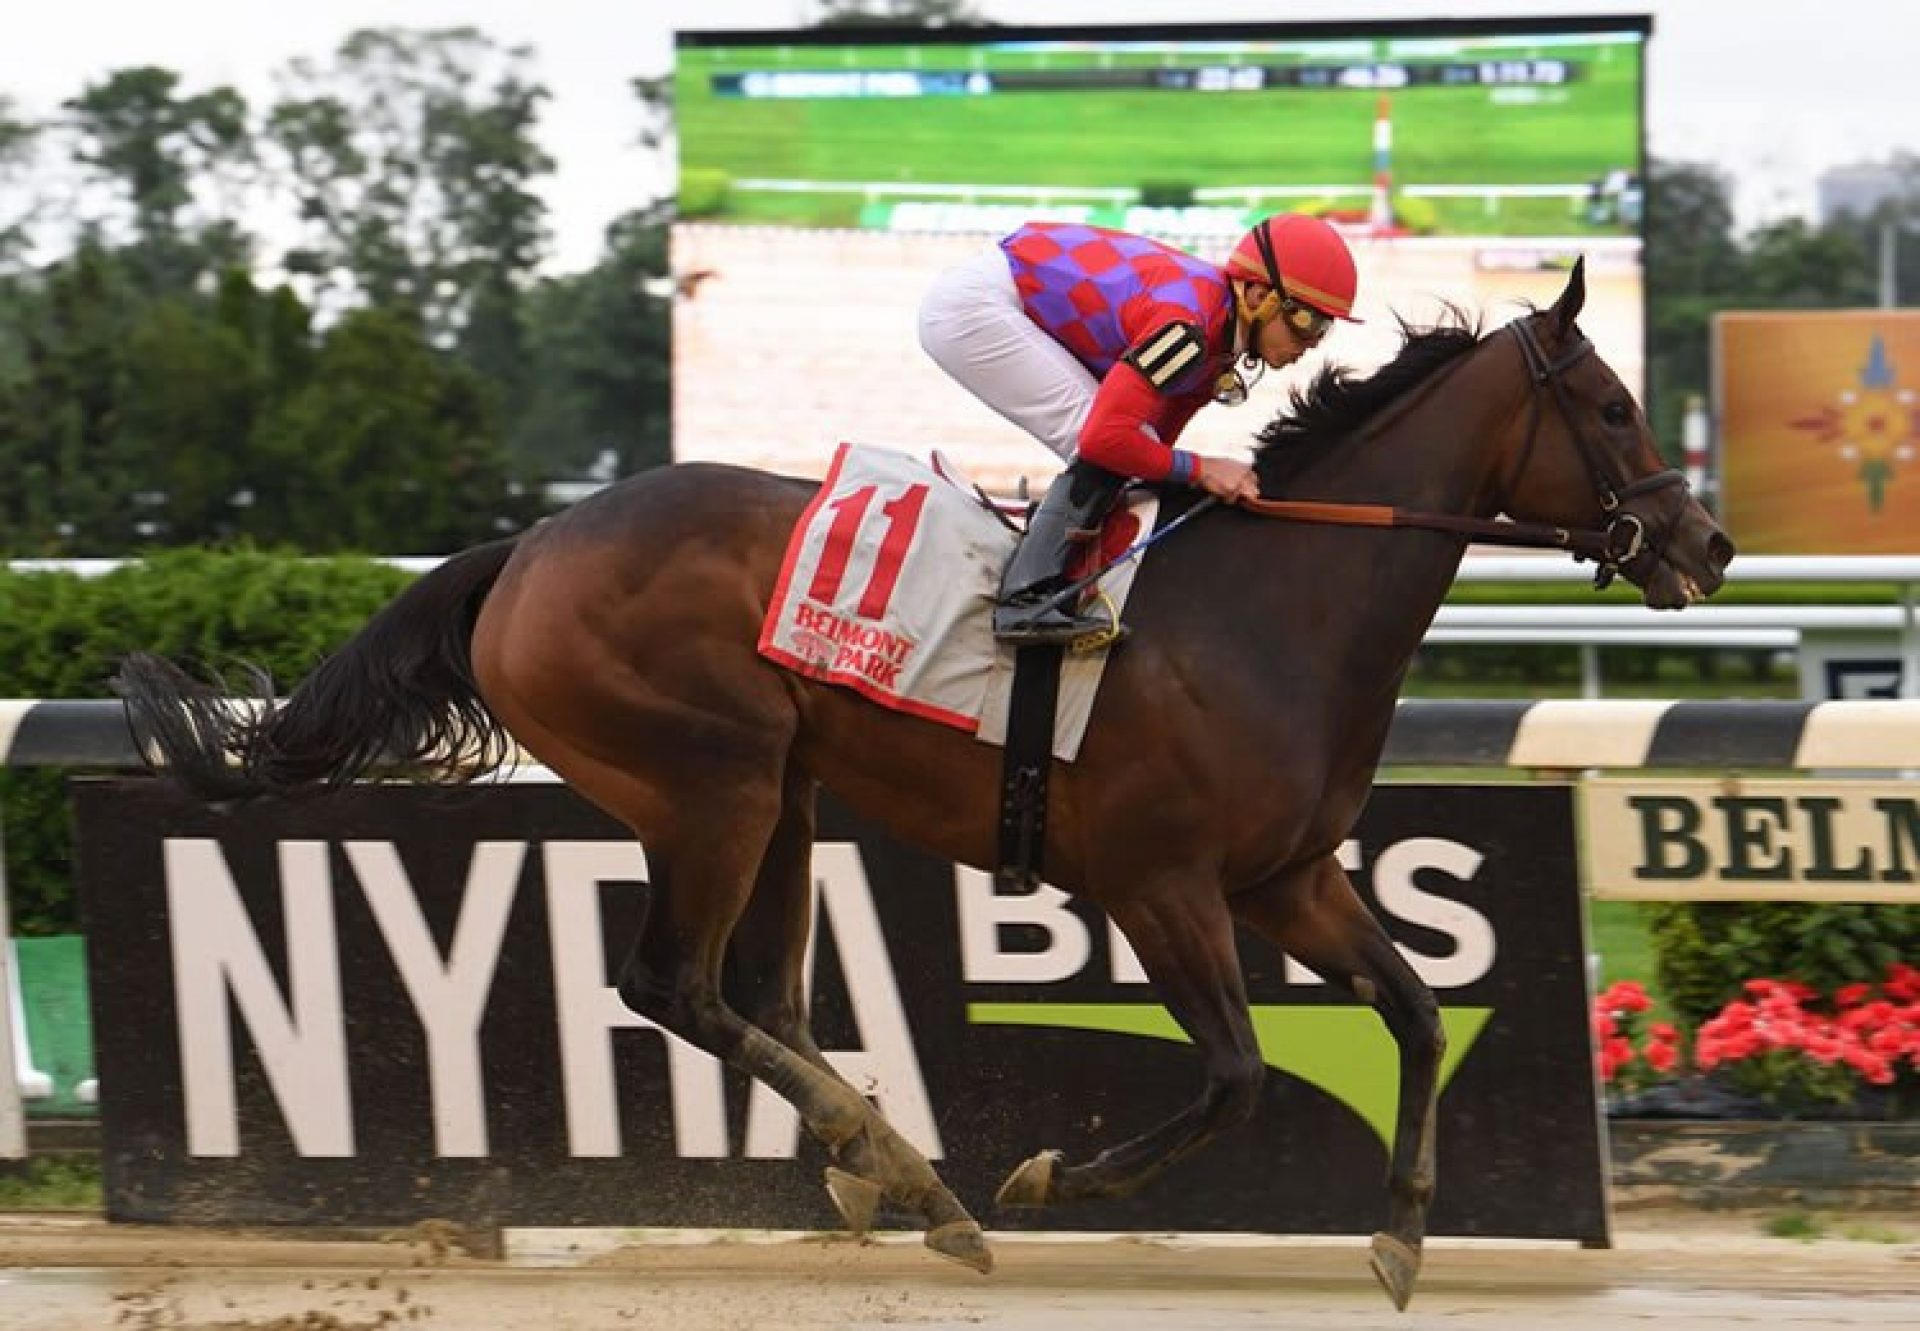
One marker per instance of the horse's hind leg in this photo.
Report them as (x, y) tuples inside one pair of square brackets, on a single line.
[(765, 981), (705, 846), (673, 978), (1316, 917), (1184, 940)]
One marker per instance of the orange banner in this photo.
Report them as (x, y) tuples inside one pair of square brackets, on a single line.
[(1820, 430)]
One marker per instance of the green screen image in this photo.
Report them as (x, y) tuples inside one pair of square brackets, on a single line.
[(1490, 135)]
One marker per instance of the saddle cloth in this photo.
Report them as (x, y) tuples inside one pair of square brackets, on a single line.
[(888, 587)]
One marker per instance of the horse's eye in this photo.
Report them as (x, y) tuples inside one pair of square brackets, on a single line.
[(1617, 414)]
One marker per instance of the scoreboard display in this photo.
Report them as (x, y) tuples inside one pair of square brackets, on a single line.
[(827, 176), (1199, 78)]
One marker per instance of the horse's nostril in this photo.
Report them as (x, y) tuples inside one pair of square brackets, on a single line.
[(1720, 550)]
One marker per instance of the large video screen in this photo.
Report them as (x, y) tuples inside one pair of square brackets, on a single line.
[(826, 178)]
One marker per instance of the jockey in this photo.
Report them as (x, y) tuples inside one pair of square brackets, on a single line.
[(1102, 345)]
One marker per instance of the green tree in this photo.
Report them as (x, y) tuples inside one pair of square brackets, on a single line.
[(201, 376), (1795, 265), (389, 447), (163, 153), (1893, 224), (1693, 265), (601, 357), (191, 399), (412, 162), (20, 206), (60, 439), (1690, 233), (18, 144)]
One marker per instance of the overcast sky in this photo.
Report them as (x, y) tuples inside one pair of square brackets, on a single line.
[(1775, 91)]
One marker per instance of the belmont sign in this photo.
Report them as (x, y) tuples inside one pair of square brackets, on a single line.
[(397, 1003), (1732, 839)]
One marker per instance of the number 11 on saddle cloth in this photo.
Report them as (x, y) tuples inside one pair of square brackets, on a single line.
[(887, 588)]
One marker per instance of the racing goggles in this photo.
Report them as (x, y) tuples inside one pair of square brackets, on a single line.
[(1309, 325)]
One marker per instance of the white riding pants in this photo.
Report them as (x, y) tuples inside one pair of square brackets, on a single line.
[(973, 326)]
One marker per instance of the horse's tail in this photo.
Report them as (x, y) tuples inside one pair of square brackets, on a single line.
[(400, 694)]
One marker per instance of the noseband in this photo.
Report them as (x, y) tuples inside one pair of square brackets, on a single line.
[(1625, 538)]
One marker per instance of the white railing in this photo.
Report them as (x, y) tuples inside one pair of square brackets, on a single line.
[(1588, 627), (1734, 626)]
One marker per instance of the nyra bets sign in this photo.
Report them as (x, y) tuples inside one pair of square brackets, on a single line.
[(397, 1003)]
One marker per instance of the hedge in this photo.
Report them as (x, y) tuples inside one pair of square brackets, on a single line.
[(61, 635), (1705, 952)]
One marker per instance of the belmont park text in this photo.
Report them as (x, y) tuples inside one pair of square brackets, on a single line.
[(865, 649)]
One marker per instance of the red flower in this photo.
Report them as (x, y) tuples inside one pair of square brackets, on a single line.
[(1889, 1041), (1626, 996), (1903, 982)]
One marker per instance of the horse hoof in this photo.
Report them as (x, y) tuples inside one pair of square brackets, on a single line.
[(855, 1198), (1395, 1264), (1029, 1184), (961, 1241)]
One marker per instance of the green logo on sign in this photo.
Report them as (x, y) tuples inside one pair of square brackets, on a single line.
[(1345, 1051)]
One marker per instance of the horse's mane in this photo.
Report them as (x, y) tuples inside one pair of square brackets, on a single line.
[(1339, 400)]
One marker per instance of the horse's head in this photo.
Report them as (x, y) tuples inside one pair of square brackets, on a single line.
[(1587, 459)]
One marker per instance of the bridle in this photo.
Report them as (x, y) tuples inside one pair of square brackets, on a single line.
[(1623, 544), (1625, 535)]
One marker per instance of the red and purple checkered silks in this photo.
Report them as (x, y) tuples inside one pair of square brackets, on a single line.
[(1099, 291)]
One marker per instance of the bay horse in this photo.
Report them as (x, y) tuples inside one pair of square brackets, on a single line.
[(616, 643)]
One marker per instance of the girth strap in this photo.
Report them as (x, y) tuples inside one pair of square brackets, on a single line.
[(1026, 763)]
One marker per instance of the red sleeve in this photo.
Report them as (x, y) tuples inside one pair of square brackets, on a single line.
[(1179, 412), (1113, 438)]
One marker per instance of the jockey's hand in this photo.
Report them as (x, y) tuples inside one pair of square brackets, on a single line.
[(1228, 479)]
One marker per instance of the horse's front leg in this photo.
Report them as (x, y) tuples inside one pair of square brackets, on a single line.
[(1314, 915), (1183, 935)]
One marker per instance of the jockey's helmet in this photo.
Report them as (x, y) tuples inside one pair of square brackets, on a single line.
[(1306, 263)]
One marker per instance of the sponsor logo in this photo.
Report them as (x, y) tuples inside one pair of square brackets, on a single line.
[(850, 647), (1345, 1051), (225, 980)]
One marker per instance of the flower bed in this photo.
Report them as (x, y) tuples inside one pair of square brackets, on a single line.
[(1784, 1050), (1784, 1096)]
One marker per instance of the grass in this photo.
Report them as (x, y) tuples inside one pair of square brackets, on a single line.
[(1618, 933), (1795, 1224), (51, 1183), (1865, 1233), (1807, 1226)]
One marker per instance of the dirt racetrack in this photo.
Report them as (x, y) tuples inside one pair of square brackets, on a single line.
[(1681, 1270)]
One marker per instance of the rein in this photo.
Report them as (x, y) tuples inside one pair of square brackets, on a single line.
[(1622, 540), (1581, 543), (1619, 543)]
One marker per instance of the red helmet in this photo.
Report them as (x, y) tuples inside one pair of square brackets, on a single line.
[(1303, 257)]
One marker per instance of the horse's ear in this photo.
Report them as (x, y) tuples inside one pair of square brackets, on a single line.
[(1567, 308)]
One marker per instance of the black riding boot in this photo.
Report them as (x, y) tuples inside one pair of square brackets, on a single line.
[(1076, 502)]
